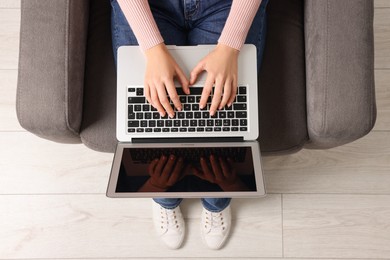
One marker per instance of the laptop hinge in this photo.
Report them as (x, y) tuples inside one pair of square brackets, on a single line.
[(188, 140)]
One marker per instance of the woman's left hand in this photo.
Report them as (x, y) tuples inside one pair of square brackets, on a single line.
[(221, 66)]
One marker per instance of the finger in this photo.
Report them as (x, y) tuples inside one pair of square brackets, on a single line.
[(152, 166), (147, 93), (206, 170), (196, 172), (156, 102), (183, 80), (216, 167), (208, 87), (169, 165), (160, 165), (173, 95), (162, 96), (233, 93), (199, 68), (216, 97), (227, 90), (176, 173), (225, 167)]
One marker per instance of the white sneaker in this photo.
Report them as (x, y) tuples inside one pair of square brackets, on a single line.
[(215, 227), (169, 224)]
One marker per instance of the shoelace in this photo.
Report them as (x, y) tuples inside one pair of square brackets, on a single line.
[(170, 218), (215, 221)]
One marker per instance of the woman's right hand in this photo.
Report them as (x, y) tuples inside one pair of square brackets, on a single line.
[(161, 69)]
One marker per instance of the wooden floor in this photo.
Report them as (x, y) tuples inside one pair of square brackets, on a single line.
[(332, 204)]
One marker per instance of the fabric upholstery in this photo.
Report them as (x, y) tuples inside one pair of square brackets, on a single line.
[(51, 67), (99, 119), (340, 71), (282, 100)]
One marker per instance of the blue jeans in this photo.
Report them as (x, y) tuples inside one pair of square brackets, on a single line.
[(189, 22)]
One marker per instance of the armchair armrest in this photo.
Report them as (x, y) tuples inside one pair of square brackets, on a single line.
[(53, 38), (339, 71)]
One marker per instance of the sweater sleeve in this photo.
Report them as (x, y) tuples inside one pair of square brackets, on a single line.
[(238, 22), (140, 18)]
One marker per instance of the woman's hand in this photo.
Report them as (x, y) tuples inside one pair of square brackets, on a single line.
[(161, 69), (221, 66)]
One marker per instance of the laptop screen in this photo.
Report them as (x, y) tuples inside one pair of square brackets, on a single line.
[(206, 169)]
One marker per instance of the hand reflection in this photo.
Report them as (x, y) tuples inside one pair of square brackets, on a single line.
[(164, 173), (221, 173)]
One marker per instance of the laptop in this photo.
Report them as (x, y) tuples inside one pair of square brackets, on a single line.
[(194, 154)]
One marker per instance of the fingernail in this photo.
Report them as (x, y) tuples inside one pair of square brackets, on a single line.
[(171, 115), (230, 104), (201, 106), (162, 114)]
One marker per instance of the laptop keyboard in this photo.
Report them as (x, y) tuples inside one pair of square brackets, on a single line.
[(144, 118), (189, 155)]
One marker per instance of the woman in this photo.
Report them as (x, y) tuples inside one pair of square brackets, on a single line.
[(154, 24)]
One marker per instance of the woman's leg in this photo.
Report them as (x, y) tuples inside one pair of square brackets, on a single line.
[(215, 204)]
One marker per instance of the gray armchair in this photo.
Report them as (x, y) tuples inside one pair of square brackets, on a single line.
[(316, 85)]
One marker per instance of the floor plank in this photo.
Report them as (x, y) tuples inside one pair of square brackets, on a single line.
[(92, 226), (382, 79), (9, 35), (381, 3), (32, 165), (340, 226), (8, 119), (362, 167), (382, 38)]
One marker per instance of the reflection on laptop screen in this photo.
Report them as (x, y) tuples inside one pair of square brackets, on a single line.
[(208, 169)]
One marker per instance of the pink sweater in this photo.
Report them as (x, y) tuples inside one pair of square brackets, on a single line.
[(140, 18)]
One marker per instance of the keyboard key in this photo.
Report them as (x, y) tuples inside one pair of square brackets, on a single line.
[(131, 115), (185, 123), (140, 116), (140, 130), (243, 129), (206, 114), (156, 115), (137, 108), (209, 129), (196, 91), (176, 123), (191, 99), (195, 107), (137, 100), (140, 91), (197, 99), (174, 129), (241, 98), (160, 123), (130, 109), (152, 123), (210, 122), (241, 114), (200, 129), (187, 107), (183, 99), (242, 90), (131, 89), (222, 114), (218, 122), (165, 130), (144, 123), (230, 114), (217, 129), (192, 129), (156, 129), (165, 117), (148, 115), (189, 115), (235, 122), (168, 123), (243, 122), (146, 108), (181, 115), (148, 130), (198, 114), (234, 129), (193, 122), (131, 130), (240, 106), (226, 129), (180, 92), (226, 122), (202, 122), (183, 129), (133, 123)]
